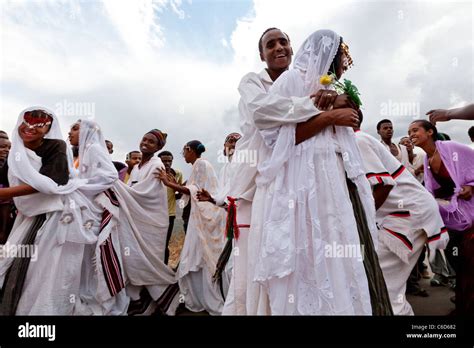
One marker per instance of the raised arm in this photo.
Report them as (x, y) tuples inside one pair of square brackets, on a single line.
[(441, 115), (170, 181)]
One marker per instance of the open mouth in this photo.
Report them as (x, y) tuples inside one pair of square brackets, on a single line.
[(280, 56), (29, 132)]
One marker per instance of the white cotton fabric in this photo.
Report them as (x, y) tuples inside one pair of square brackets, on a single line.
[(95, 165), (306, 205), (418, 163), (53, 281), (241, 286), (20, 167), (205, 239), (406, 195), (143, 225), (402, 155), (221, 200), (224, 183), (258, 111)]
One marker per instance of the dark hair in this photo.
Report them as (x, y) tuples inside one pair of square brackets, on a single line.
[(385, 120), (471, 132), (108, 141), (165, 153), (3, 134), (427, 125), (443, 136), (196, 146), (260, 42), (134, 151), (406, 136), (335, 65)]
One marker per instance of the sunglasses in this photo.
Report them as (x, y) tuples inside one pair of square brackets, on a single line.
[(32, 120)]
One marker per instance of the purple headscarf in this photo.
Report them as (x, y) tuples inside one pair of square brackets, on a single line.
[(459, 162)]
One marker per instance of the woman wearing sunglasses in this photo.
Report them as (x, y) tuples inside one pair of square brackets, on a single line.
[(50, 226)]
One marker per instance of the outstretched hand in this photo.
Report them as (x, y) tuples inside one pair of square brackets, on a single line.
[(204, 196), (438, 115), (165, 177)]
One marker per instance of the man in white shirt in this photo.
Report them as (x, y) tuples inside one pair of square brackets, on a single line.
[(385, 130), (259, 110)]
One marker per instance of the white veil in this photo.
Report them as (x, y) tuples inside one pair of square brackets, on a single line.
[(312, 61), (95, 163), (315, 56)]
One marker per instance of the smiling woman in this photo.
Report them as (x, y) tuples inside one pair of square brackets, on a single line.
[(43, 183), (449, 177), (143, 229)]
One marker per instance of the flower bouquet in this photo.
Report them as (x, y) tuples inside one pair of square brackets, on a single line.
[(342, 88)]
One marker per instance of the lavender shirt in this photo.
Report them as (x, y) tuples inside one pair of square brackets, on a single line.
[(458, 214)]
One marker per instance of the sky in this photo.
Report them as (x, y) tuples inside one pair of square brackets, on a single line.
[(134, 65)]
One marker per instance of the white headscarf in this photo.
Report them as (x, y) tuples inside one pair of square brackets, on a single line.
[(20, 162), (95, 163), (312, 60), (315, 56)]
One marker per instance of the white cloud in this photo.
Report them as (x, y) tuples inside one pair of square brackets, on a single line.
[(114, 56), (135, 21)]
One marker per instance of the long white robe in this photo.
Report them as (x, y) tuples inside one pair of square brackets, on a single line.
[(402, 155), (142, 231), (407, 219), (102, 290), (307, 213), (62, 277), (205, 239), (52, 283), (258, 110)]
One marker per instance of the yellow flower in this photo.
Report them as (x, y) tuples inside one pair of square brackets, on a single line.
[(325, 80)]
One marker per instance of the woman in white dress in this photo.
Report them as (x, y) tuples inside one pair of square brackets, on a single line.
[(102, 280), (54, 221), (143, 226), (205, 235), (317, 203)]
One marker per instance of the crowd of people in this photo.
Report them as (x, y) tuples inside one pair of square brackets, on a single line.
[(332, 221)]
